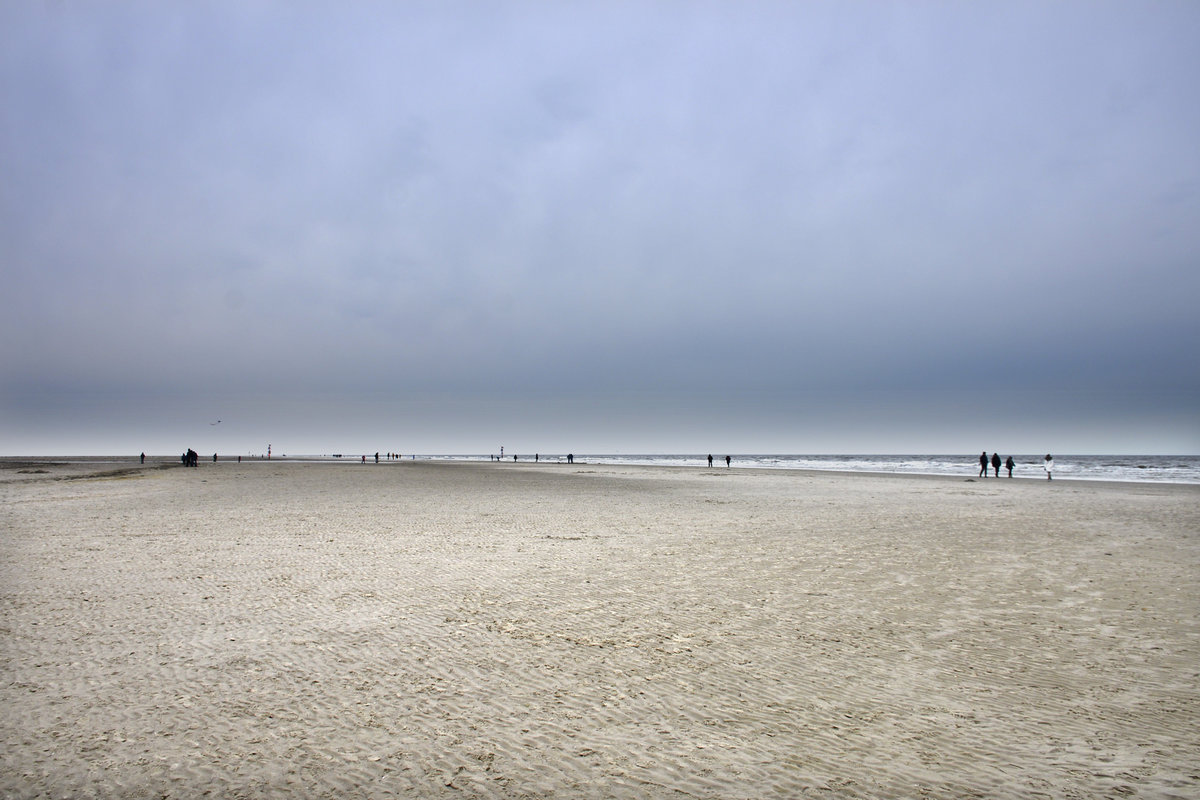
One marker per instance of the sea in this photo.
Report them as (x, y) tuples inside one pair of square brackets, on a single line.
[(1143, 468)]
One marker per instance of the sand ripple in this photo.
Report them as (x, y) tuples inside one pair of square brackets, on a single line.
[(497, 631)]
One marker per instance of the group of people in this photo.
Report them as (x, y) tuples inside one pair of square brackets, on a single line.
[(191, 458), (537, 457), (728, 461), (1008, 464), (995, 462)]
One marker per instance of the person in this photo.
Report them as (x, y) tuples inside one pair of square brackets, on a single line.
[(570, 458), (214, 458), (710, 460), (1049, 465), (728, 460), (996, 463), (143, 458), (376, 456), (1008, 465), (537, 457), (983, 464)]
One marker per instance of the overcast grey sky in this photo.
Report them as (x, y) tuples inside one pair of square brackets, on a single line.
[(600, 227)]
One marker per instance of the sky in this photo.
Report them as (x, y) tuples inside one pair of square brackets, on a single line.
[(600, 227)]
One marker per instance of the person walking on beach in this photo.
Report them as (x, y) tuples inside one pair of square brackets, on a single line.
[(1049, 465), (996, 463), (710, 460), (143, 458), (728, 460), (1008, 465), (983, 464)]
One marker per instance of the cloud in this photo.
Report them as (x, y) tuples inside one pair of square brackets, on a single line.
[(833, 202)]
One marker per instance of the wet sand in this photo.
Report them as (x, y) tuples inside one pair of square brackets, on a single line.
[(421, 629)]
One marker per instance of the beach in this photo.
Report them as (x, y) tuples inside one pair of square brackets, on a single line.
[(419, 629)]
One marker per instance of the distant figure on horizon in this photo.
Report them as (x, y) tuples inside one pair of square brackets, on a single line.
[(214, 458), (570, 458), (1049, 467), (376, 456), (143, 458), (710, 460), (996, 463), (728, 461), (983, 464), (537, 457), (1008, 465)]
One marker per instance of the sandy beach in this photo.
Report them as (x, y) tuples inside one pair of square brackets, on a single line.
[(421, 629)]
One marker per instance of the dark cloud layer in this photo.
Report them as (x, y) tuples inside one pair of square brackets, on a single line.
[(443, 227)]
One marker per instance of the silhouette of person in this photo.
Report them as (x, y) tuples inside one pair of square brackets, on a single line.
[(143, 458), (996, 463), (1008, 465), (983, 464), (710, 460), (728, 460), (570, 458), (1049, 465)]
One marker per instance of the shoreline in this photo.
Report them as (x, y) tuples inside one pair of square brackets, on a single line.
[(25, 468)]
